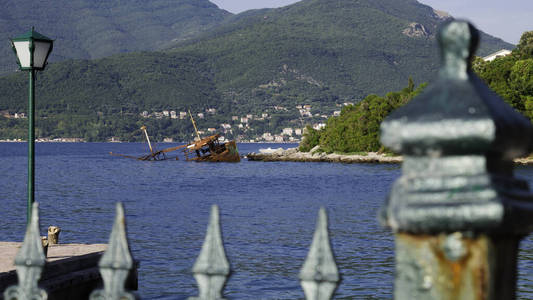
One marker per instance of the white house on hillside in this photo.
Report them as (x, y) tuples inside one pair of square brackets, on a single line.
[(493, 56), (287, 131)]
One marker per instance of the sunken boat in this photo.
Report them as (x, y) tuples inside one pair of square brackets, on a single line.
[(154, 154), (209, 148)]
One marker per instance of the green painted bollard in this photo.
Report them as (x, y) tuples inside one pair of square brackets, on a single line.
[(457, 211)]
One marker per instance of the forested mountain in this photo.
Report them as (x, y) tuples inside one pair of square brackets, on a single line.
[(88, 29), (326, 48), (316, 52)]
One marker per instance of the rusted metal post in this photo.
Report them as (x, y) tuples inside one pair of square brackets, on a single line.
[(457, 211), (53, 235)]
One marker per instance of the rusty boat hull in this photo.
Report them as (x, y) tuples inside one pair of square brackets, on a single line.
[(209, 149)]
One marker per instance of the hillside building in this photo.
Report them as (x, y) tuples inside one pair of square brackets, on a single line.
[(319, 126), (493, 56), (267, 136), (287, 131)]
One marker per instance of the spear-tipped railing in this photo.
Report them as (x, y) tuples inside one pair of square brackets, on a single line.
[(29, 263), (116, 262)]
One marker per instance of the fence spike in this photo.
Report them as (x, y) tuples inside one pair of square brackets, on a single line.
[(211, 269), (29, 263), (116, 262), (319, 275)]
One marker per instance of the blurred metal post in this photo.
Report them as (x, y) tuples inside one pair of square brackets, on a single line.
[(457, 211)]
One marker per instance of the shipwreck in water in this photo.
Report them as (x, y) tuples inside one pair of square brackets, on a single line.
[(203, 149), (211, 149)]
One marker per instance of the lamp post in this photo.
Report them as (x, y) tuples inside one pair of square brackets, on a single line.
[(32, 50)]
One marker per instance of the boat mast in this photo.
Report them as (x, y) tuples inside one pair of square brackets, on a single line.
[(194, 124), (143, 128)]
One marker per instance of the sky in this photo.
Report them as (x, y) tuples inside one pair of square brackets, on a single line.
[(506, 19)]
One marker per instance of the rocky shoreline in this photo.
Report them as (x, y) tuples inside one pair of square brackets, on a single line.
[(292, 154)]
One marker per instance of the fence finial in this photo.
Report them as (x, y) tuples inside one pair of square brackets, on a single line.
[(29, 263), (319, 275), (211, 268), (116, 262)]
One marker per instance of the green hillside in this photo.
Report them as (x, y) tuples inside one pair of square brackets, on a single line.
[(317, 52), (87, 29), (128, 82), (352, 48)]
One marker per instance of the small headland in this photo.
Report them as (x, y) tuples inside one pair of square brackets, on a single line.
[(292, 154)]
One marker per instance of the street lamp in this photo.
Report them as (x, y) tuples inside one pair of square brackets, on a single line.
[(32, 50)]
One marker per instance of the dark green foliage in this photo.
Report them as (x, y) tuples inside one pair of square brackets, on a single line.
[(512, 76), (525, 46), (357, 128), (124, 83), (311, 138)]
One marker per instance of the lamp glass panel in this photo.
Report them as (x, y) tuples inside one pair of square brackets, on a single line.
[(40, 52), (23, 53)]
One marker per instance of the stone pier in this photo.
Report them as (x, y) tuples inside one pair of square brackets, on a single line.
[(71, 270)]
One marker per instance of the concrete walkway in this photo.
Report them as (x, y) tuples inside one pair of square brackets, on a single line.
[(8, 251)]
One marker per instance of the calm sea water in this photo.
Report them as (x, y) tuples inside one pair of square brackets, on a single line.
[(268, 214)]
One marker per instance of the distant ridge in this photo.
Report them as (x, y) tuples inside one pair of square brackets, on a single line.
[(88, 29), (347, 46)]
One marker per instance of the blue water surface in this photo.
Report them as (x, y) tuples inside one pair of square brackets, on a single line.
[(268, 215)]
